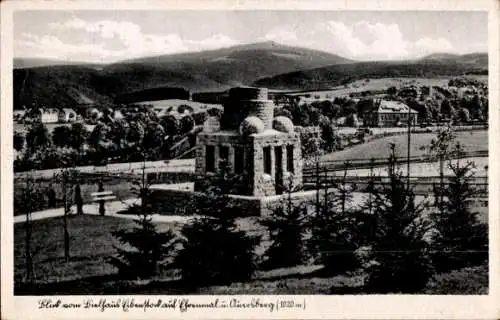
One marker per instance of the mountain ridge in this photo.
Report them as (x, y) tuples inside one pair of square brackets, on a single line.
[(263, 63)]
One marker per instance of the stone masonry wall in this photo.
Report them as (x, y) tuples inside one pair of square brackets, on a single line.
[(265, 184), (179, 202)]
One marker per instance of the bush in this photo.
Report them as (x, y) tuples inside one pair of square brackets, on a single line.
[(470, 280)]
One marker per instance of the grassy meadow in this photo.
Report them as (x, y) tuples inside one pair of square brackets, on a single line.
[(87, 272), (379, 148)]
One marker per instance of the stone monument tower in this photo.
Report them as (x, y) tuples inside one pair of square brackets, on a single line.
[(263, 149)]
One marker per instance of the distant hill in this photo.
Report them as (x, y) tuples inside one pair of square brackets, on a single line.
[(267, 64), (195, 71), (61, 86), (222, 68), (330, 76), (478, 58), (20, 63)]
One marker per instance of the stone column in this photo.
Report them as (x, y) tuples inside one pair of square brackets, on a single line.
[(230, 159), (216, 158)]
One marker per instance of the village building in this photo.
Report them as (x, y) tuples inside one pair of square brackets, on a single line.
[(48, 115), (66, 115), (390, 114)]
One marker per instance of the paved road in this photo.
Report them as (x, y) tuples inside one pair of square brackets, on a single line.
[(112, 209)]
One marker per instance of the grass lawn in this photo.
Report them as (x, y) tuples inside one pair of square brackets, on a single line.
[(90, 243), (379, 148)]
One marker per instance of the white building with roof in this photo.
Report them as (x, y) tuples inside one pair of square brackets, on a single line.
[(66, 115), (48, 115), (391, 114)]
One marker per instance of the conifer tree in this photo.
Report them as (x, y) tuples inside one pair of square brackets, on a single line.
[(334, 239), (214, 250), (460, 239), (150, 246), (399, 250), (287, 226), (363, 216)]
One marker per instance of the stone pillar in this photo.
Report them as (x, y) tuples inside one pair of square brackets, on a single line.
[(273, 164), (216, 158), (230, 159)]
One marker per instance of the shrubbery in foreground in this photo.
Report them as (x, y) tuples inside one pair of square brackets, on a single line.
[(213, 250)]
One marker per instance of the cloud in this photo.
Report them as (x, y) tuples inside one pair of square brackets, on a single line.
[(108, 40), (133, 42), (428, 45), (280, 35), (213, 42), (361, 40), (51, 47)]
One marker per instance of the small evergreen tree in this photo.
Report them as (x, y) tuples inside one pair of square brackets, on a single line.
[(333, 239), (460, 239), (150, 247), (214, 250), (399, 251), (364, 215), (286, 227)]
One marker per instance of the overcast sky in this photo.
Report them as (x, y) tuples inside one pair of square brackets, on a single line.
[(107, 36)]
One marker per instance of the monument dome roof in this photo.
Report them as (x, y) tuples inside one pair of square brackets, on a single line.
[(283, 124), (251, 125)]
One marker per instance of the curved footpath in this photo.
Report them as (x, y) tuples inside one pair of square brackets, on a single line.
[(112, 209)]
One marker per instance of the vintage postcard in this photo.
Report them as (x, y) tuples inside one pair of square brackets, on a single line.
[(238, 159)]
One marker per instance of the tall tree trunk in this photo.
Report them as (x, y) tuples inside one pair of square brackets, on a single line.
[(441, 182), (29, 258), (66, 233)]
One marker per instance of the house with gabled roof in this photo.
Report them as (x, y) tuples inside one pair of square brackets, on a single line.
[(388, 113)]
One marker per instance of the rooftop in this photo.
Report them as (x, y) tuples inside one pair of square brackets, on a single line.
[(394, 107)]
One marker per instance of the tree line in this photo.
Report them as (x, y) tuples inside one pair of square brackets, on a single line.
[(110, 140)]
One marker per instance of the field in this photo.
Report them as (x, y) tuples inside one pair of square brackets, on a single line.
[(374, 85), (91, 243), (379, 148), (377, 84)]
